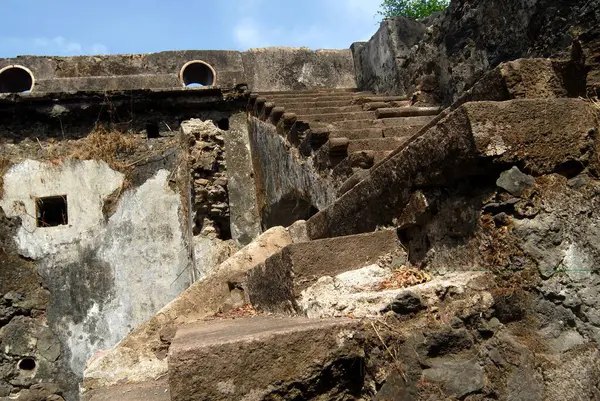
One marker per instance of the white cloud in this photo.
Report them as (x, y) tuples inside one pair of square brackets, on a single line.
[(347, 21), (56, 46), (247, 34)]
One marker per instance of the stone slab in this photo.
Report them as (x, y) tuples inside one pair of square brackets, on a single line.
[(150, 391), (250, 358), (140, 356), (275, 284)]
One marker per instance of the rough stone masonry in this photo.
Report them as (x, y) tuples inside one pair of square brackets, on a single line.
[(415, 218)]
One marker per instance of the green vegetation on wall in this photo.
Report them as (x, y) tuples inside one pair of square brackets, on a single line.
[(411, 8)]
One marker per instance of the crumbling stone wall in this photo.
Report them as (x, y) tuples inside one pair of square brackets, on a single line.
[(101, 272), (266, 69), (441, 57), (32, 361)]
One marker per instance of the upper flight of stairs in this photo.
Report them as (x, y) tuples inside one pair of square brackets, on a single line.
[(341, 125)]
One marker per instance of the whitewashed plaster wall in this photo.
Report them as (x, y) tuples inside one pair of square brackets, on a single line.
[(106, 277)]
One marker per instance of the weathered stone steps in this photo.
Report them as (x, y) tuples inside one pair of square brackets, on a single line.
[(375, 144), (312, 97), (324, 110), (334, 117), (206, 359), (275, 284), (386, 122), (402, 131), (407, 112), (296, 104), (310, 92), (347, 122), (455, 148)]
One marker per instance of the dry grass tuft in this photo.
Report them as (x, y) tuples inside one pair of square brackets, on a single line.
[(110, 146), (405, 277)]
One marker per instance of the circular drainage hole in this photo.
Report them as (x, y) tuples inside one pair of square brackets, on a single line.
[(15, 79), (27, 364)]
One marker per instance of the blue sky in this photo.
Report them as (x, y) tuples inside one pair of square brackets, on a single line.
[(75, 27)]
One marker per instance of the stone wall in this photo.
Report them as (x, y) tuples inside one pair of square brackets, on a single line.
[(469, 38), (102, 271), (261, 69)]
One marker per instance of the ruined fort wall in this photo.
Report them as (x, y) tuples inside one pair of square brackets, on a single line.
[(267, 69), (119, 254), (289, 187), (125, 172), (471, 37)]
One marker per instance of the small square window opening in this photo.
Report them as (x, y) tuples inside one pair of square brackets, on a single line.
[(51, 211)]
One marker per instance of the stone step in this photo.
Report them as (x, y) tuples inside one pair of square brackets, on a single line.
[(375, 144), (407, 112), (136, 359), (311, 97), (456, 148), (404, 121), (383, 104), (149, 391), (309, 92), (402, 131), (296, 103), (275, 284), (263, 358), (323, 110), (357, 133), (333, 117), (371, 98), (354, 124)]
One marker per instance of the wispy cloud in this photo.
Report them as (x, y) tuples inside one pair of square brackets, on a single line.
[(344, 18), (57, 46), (247, 34)]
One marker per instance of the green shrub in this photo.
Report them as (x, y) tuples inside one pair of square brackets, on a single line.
[(411, 8)]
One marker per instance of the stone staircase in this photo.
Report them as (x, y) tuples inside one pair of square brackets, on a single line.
[(277, 353), (355, 129), (336, 128), (277, 343)]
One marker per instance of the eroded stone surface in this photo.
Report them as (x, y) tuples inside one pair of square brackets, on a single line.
[(271, 349)]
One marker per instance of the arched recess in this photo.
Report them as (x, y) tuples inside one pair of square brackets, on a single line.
[(16, 79), (197, 73)]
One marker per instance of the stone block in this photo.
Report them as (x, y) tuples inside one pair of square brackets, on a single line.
[(149, 391), (275, 284), (263, 357)]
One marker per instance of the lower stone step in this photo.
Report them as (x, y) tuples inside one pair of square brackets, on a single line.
[(407, 112), (275, 284), (298, 103), (150, 391), (266, 358), (316, 92)]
